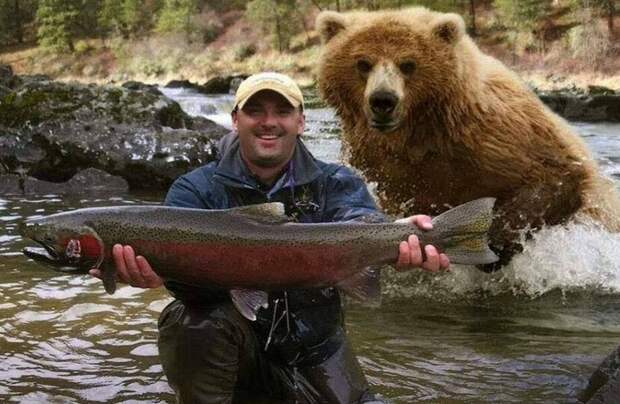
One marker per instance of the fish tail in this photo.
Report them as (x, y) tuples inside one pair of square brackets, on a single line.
[(462, 232)]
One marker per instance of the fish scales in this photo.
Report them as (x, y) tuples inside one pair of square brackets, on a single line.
[(253, 247)]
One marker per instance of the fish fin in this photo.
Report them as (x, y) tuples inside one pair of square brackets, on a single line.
[(462, 232), (271, 213), (108, 276), (108, 272), (364, 285), (370, 218), (249, 301)]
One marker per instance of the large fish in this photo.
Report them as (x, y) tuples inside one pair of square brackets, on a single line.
[(250, 249)]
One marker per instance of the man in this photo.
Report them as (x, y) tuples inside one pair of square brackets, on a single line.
[(296, 350)]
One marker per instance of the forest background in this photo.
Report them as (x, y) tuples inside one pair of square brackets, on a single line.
[(551, 43)]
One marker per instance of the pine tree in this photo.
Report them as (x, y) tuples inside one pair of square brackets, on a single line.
[(124, 17), (523, 14), (176, 16), (14, 16), (56, 20), (277, 18)]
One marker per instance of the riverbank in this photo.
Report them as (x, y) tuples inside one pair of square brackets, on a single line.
[(161, 60)]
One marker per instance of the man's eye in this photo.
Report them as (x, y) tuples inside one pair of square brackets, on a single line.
[(285, 111)]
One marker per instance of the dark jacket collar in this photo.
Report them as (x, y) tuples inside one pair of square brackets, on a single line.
[(232, 171)]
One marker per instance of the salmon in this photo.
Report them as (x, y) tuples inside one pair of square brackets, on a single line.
[(249, 250)]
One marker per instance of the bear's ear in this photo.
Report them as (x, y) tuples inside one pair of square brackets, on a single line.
[(329, 24), (448, 28)]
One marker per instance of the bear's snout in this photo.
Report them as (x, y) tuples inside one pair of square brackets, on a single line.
[(382, 110), (383, 102)]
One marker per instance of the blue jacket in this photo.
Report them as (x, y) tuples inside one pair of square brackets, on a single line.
[(312, 191)]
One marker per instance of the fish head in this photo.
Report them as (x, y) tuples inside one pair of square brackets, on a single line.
[(64, 246)]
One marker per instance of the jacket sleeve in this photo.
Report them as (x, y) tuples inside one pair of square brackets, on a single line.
[(347, 198), (183, 194)]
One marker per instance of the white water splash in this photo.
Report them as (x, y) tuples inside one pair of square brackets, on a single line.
[(568, 257), (575, 257)]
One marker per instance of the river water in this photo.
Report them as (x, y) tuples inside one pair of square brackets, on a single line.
[(532, 333)]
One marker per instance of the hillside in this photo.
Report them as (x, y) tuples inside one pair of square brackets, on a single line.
[(551, 54)]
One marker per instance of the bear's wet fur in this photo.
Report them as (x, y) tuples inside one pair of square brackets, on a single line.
[(436, 123)]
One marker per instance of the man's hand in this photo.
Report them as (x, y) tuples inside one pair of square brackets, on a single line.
[(135, 271), (410, 253)]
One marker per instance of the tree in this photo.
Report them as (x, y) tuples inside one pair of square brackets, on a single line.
[(56, 20), (14, 16), (125, 17), (608, 9), (472, 18), (523, 15), (176, 16), (277, 18)]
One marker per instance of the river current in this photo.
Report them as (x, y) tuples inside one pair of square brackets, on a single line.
[(532, 333)]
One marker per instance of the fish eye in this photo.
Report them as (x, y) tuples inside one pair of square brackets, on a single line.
[(364, 66), (407, 67)]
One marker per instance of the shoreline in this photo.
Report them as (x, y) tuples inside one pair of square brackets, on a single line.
[(301, 66)]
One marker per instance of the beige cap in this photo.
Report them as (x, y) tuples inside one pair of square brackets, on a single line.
[(277, 82)]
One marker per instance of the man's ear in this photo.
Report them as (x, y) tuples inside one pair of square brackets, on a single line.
[(233, 117), (329, 24), (301, 125)]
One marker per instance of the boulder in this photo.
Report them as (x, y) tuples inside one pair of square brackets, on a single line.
[(598, 104), (10, 184), (604, 384), (87, 181), (51, 131), (222, 85)]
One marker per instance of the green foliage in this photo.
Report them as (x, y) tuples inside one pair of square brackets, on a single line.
[(125, 17), (82, 47), (276, 18), (243, 51), (607, 9), (15, 15), (522, 14), (588, 41), (56, 20), (176, 16)]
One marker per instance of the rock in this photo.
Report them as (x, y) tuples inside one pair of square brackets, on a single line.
[(222, 85), (216, 85), (7, 78), (184, 84), (582, 107), (6, 75), (33, 186), (234, 84), (604, 384), (4, 91), (139, 86), (86, 181), (10, 184), (600, 90), (51, 131), (94, 180)]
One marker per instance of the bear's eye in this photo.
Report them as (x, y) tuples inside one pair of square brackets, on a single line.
[(364, 66), (407, 67)]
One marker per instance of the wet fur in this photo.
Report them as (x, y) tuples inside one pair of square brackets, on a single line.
[(469, 128)]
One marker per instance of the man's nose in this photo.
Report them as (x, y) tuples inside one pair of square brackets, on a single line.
[(269, 118)]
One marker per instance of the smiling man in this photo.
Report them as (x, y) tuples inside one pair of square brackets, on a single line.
[(297, 349)]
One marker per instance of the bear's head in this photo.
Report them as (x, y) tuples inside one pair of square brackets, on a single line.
[(389, 65)]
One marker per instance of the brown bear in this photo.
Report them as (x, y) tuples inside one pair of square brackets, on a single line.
[(436, 122)]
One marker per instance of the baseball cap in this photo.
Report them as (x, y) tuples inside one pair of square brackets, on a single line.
[(280, 83)]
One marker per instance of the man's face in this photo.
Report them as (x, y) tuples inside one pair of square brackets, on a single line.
[(267, 127)]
